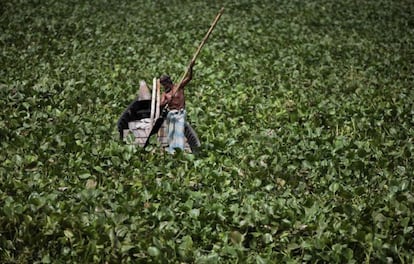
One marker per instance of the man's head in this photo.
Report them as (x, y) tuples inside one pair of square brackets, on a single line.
[(165, 80)]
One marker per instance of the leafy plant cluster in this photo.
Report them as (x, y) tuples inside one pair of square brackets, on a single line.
[(304, 110)]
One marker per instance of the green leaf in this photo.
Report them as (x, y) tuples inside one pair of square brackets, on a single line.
[(126, 248), (194, 213), (334, 187), (46, 259), (84, 176), (153, 251), (68, 233)]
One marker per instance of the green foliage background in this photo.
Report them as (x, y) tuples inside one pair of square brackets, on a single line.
[(304, 110)]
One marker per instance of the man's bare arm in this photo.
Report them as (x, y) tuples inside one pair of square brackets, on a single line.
[(163, 100), (188, 77)]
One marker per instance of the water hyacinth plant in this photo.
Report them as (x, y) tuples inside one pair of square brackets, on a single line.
[(304, 110)]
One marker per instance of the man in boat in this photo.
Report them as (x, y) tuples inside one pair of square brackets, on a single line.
[(174, 100)]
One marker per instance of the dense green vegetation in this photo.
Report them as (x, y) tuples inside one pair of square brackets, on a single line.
[(304, 110)]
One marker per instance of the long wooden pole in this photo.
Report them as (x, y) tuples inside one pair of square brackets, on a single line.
[(154, 88), (213, 24), (157, 109)]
